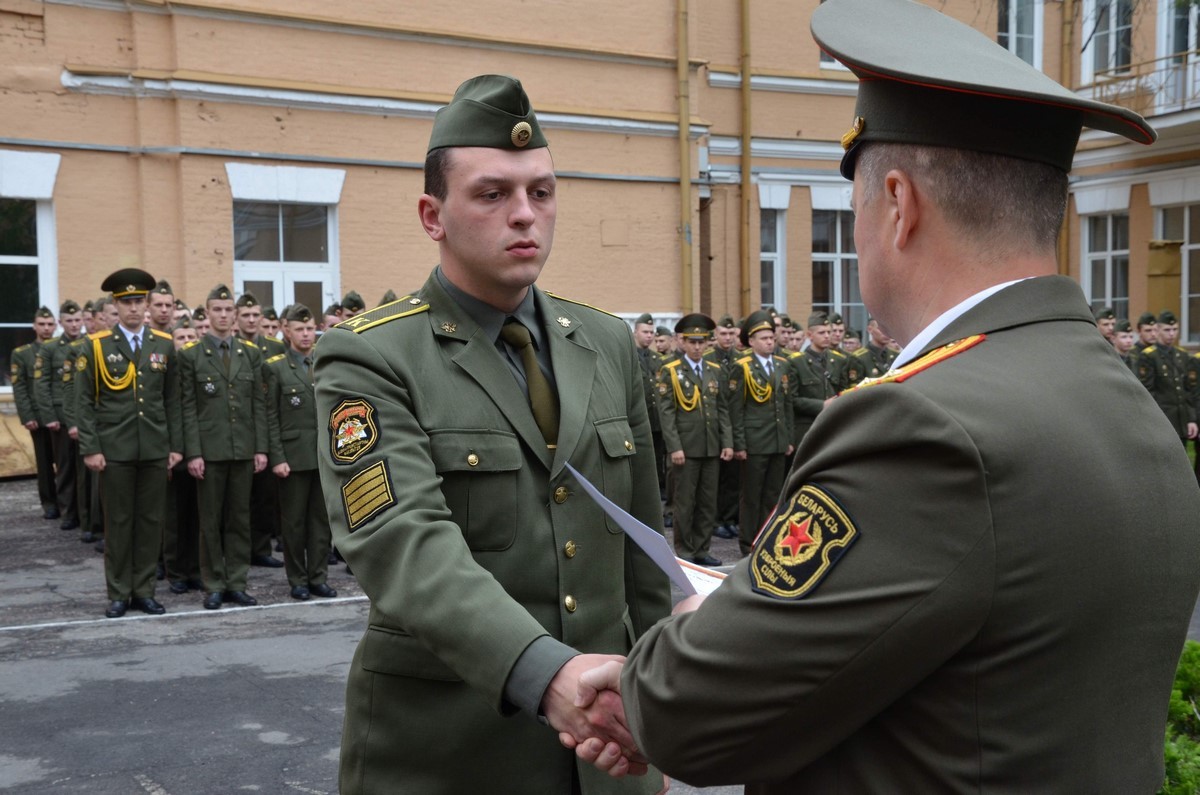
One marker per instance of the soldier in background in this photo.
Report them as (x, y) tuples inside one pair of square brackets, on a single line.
[(881, 349), (650, 361), (851, 342), (58, 366), (724, 353), (268, 327), (332, 316), (223, 392), (25, 365), (388, 297), (181, 311), (1147, 329), (696, 430), (760, 411), (88, 499), (827, 363), (352, 305), (1163, 369), (837, 328), (664, 343), (292, 433), (181, 531), (1123, 343), (161, 307), (1106, 321)]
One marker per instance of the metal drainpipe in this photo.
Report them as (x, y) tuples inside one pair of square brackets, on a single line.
[(685, 160), (744, 206), (1066, 56)]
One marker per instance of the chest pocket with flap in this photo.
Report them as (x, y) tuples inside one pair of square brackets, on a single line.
[(479, 468)]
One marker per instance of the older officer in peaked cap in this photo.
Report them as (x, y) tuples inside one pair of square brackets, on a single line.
[(130, 432), (931, 608), (447, 420)]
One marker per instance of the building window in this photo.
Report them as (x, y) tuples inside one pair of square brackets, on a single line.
[(1108, 37), (1183, 223), (1106, 265), (835, 268), (21, 271), (1179, 69), (772, 267), (282, 253), (1019, 29)]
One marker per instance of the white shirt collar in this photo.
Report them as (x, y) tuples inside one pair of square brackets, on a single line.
[(926, 335), (765, 361), (129, 335)]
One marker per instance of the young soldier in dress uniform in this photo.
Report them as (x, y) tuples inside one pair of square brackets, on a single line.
[(878, 349), (292, 427), (181, 531), (837, 329), (1147, 329), (1123, 343), (1106, 322), (823, 358), (225, 437), (58, 365), (443, 444), (936, 608), (25, 368), (760, 410), (643, 338), (729, 489), (161, 304), (696, 431), (88, 501), (353, 305), (1163, 369), (129, 432), (268, 327)]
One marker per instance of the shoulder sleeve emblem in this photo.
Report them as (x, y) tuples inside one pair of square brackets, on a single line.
[(366, 494), (941, 354), (804, 539), (352, 430)]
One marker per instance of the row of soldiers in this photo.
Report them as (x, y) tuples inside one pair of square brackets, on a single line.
[(730, 406), (190, 435)]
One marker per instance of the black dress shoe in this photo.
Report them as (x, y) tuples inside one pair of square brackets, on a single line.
[(708, 560), (51, 513), (69, 524), (148, 604), (322, 590), (266, 560), (725, 531), (212, 601), (116, 608), (88, 537), (195, 585), (332, 560), (178, 586), (239, 598), (300, 592)]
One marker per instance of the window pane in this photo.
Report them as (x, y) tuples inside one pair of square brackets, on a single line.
[(1193, 329), (822, 282), (768, 240), (767, 275), (19, 298), (263, 291), (1120, 233), (305, 233), (1193, 271), (1097, 226), (1193, 230), (12, 338), (1025, 17), (18, 228), (850, 291), (847, 226), (1097, 293), (1002, 26), (256, 231), (1172, 223), (823, 231), (311, 294), (1120, 279)]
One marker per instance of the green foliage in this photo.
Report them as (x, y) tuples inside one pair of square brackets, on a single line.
[(1181, 752)]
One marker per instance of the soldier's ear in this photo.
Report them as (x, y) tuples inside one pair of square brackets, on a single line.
[(429, 209)]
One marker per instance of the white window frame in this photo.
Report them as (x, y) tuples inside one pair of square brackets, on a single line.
[(778, 260), (1087, 56), (839, 302), (1185, 297), (1105, 255), (1037, 8), (1182, 79)]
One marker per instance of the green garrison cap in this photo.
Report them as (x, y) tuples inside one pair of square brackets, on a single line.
[(183, 322), (1147, 319), (179, 304), (927, 79), (818, 319), (43, 311), (163, 288), (128, 282), (1167, 318), (1124, 325), (298, 313), (68, 307), (758, 321), (834, 318), (1106, 313), (726, 321), (199, 313), (695, 325), (220, 293), (88, 306), (645, 317), (353, 302), (246, 299), (268, 313), (491, 111), (388, 297), (662, 331)]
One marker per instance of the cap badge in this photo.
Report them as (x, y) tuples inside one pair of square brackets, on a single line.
[(562, 321), (521, 133), (855, 130), (129, 288)]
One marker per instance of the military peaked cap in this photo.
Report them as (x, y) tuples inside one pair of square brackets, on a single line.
[(128, 282), (695, 325)]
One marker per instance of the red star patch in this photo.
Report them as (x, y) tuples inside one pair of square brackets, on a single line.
[(798, 536)]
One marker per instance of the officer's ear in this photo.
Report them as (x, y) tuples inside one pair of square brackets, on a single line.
[(429, 209)]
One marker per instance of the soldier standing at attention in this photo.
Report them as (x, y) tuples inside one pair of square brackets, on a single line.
[(25, 370), (1106, 321), (643, 338), (129, 433), (225, 440), (760, 410), (1147, 329), (901, 626), (822, 356), (664, 343), (91, 513), (292, 427), (1123, 344), (879, 349), (447, 419), (181, 529), (352, 305), (729, 472), (837, 329), (58, 366), (161, 304), (697, 434), (1163, 369), (268, 327)]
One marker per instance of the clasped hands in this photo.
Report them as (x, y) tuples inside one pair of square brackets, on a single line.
[(583, 704)]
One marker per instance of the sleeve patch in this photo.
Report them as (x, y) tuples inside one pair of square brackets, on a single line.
[(366, 494), (804, 539), (352, 430)]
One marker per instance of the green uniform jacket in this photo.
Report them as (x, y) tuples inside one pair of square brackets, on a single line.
[(224, 416), (993, 627), (1163, 370), (128, 412), (834, 370), (650, 362), (760, 408), (58, 364), (808, 395), (291, 414), (472, 540), (876, 361), (24, 372), (69, 393), (695, 418)]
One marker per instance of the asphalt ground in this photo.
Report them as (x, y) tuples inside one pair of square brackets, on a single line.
[(194, 702)]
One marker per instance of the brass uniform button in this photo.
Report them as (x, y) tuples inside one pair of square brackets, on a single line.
[(569, 549), (570, 603), (628, 445), (472, 460), (561, 494)]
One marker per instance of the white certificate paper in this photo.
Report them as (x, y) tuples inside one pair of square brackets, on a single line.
[(687, 575)]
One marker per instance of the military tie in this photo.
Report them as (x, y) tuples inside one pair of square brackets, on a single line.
[(308, 368), (770, 369), (225, 355), (542, 398), (699, 373), (137, 347)]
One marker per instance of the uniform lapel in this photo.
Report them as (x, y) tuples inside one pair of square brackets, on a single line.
[(236, 355), (574, 365), (121, 342)]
